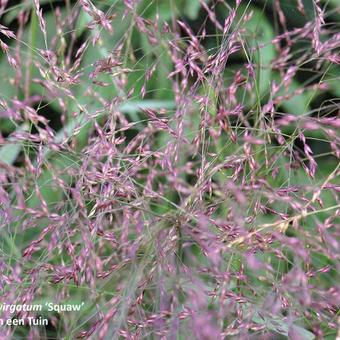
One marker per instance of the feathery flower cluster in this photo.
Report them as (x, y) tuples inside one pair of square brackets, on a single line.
[(175, 164)]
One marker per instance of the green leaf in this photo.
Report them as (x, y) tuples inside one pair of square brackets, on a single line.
[(306, 335), (131, 107), (259, 36), (10, 152), (191, 8), (278, 325)]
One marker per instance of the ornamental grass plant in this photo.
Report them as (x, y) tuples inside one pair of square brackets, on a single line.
[(171, 167)]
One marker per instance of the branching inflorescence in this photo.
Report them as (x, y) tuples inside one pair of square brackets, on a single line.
[(174, 164)]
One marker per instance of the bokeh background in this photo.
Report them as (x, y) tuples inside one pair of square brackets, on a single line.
[(72, 75)]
